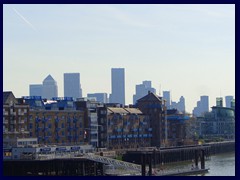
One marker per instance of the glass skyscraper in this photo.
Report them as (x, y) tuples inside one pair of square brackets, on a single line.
[(118, 86), (50, 88), (72, 86)]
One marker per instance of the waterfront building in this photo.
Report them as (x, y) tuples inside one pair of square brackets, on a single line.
[(15, 118), (142, 90), (228, 100), (50, 88), (219, 123), (90, 107), (118, 86), (176, 127), (123, 128), (35, 89), (72, 86), (56, 121), (152, 105), (100, 97)]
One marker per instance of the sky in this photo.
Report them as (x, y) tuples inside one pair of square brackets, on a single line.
[(187, 49)]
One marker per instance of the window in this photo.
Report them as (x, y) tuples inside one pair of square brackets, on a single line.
[(63, 133), (62, 125)]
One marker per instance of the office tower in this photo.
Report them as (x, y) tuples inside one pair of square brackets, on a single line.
[(167, 97), (118, 86), (100, 97), (50, 88), (35, 89), (142, 90), (72, 86), (181, 104), (204, 106), (219, 101), (228, 100), (148, 84)]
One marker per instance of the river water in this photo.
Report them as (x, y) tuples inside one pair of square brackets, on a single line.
[(219, 165)]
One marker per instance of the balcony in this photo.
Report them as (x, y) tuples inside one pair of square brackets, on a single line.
[(13, 122), (21, 122), (135, 135)]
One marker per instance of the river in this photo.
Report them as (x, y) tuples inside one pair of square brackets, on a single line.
[(219, 165)]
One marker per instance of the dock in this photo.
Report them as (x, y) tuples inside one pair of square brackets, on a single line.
[(184, 173)]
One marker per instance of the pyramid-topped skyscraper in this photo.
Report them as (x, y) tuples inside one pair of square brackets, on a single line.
[(50, 88)]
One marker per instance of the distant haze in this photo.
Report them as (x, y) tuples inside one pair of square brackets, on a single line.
[(188, 49)]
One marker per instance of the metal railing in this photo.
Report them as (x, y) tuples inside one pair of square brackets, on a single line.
[(114, 162)]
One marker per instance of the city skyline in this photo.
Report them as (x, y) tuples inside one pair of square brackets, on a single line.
[(187, 49)]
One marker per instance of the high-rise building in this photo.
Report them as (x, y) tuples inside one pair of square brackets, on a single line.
[(142, 90), (167, 97), (35, 89), (180, 106), (50, 88), (100, 97), (72, 86), (202, 106), (118, 86), (228, 100)]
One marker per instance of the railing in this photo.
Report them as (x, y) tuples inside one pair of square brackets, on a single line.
[(114, 162)]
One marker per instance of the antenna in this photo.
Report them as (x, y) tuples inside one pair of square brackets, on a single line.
[(160, 90)]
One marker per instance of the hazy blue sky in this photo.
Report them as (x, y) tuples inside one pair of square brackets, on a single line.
[(188, 49)]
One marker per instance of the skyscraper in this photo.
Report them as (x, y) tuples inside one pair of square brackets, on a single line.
[(204, 104), (228, 100), (35, 89), (167, 97), (50, 88), (118, 86), (142, 90), (181, 104), (72, 86)]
